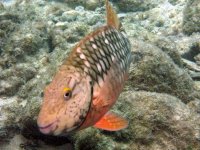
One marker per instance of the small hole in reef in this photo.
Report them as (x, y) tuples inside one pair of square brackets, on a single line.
[(42, 94)]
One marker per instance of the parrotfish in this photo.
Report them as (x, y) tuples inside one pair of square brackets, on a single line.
[(89, 82)]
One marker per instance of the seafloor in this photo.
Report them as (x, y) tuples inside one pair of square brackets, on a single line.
[(162, 96)]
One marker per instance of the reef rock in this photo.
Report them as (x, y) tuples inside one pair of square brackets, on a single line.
[(136, 5), (191, 21), (155, 71), (89, 4)]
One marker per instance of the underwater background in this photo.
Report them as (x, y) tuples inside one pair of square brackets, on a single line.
[(161, 99)]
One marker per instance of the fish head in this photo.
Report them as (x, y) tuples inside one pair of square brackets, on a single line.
[(66, 103)]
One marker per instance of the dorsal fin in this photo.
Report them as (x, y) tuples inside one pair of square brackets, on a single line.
[(112, 19)]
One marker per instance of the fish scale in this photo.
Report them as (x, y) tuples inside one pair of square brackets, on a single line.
[(114, 46)]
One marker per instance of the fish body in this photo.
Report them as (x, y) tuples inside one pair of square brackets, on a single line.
[(89, 82)]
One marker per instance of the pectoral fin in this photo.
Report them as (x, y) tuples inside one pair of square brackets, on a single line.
[(111, 122), (98, 102)]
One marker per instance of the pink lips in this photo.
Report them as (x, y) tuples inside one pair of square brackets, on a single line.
[(48, 129)]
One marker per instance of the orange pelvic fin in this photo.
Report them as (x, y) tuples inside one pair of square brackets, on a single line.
[(111, 122), (112, 19)]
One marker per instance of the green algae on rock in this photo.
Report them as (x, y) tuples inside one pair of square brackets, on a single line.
[(136, 5), (191, 20), (10, 84), (155, 71), (89, 4), (169, 47)]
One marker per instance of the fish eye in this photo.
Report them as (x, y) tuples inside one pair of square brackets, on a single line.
[(67, 95)]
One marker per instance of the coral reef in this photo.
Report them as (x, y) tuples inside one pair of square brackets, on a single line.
[(191, 22), (161, 99), (89, 4), (155, 71), (136, 5)]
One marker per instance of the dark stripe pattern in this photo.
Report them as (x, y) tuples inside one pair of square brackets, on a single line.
[(101, 51)]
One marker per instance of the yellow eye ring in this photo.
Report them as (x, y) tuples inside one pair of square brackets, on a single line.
[(66, 89), (67, 93)]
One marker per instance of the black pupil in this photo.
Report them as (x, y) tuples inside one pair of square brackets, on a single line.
[(67, 94)]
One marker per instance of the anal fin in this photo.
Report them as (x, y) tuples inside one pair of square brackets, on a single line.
[(111, 122)]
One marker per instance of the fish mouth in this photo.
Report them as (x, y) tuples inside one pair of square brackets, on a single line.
[(48, 128)]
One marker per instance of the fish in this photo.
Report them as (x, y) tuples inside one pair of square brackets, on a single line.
[(89, 82)]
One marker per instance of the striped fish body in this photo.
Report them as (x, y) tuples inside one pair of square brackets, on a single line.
[(88, 83), (105, 57)]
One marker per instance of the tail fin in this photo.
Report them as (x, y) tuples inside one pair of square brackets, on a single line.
[(112, 19)]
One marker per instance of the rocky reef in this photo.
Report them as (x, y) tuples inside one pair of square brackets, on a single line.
[(161, 99), (191, 22)]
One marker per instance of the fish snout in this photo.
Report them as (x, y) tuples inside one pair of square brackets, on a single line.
[(47, 127)]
